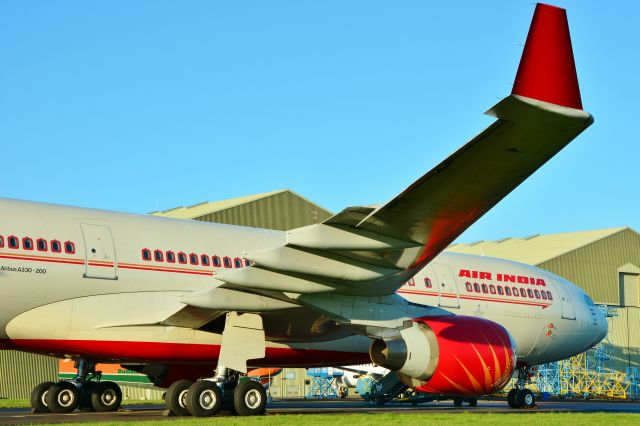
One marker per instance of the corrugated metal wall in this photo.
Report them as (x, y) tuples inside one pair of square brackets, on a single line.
[(624, 338), (595, 266), (141, 392), (290, 383), (281, 211), (20, 372)]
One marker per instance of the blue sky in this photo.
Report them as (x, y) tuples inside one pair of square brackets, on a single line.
[(146, 105)]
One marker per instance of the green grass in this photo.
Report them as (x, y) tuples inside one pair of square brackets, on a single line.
[(564, 419)]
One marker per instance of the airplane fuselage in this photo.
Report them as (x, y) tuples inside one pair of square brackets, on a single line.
[(105, 285)]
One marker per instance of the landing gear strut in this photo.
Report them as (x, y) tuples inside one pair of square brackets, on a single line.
[(85, 391), (207, 397), (520, 397)]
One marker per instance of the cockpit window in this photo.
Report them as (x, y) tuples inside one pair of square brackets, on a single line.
[(588, 300)]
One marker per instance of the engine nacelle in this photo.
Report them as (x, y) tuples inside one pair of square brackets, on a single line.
[(449, 355)]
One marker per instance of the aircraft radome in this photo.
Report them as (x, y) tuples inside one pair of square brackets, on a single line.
[(194, 304)]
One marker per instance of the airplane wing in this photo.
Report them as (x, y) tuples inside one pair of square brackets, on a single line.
[(371, 251)]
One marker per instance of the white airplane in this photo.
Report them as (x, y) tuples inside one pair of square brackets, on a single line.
[(193, 304)]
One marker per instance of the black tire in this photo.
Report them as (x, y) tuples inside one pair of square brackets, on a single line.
[(511, 398), (526, 398), (106, 397), (204, 399), (249, 398), (457, 402), (62, 397), (176, 397), (38, 395), (473, 402)]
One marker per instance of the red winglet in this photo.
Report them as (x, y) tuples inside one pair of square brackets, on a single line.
[(547, 71)]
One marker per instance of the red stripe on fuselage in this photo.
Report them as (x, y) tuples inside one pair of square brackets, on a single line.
[(180, 352), (42, 259)]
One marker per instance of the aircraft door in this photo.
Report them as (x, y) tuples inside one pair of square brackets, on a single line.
[(100, 253), (447, 288), (568, 311)]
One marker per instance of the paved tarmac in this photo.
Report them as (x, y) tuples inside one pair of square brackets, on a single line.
[(155, 413)]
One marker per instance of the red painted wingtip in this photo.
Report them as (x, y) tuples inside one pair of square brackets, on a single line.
[(547, 71)]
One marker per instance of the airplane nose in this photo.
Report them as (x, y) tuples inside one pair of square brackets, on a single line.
[(602, 327)]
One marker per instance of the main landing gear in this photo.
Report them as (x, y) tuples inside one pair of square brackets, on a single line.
[(85, 392), (520, 397), (207, 397)]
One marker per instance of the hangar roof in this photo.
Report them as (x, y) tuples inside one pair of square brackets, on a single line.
[(208, 207), (535, 249)]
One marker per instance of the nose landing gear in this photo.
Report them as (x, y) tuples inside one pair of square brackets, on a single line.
[(85, 391), (520, 397)]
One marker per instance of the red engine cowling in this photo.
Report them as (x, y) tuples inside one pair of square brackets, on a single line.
[(450, 355)]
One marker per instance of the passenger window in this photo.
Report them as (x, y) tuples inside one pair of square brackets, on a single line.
[(427, 282), (171, 257), (193, 259), (226, 261), (484, 288), (543, 294), (247, 263), (507, 291), (500, 290), (13, 242), (492, 289), (56, 246), (238, 263), (69, 247), (204, 259), (216, 261), (1, 241), (158, 256), (549, 295), (469, 286), (41, 244), (476, 287), (27, 243), (146, 254), (536, 293), (516, 292), (182, 258), (530, 293)]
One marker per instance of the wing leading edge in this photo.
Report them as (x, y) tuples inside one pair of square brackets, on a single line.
[(371, 251)]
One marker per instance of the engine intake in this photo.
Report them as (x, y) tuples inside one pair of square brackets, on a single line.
[(449, 355)]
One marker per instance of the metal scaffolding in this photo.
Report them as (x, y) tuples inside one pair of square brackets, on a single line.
[(323, 382), (589, 374)]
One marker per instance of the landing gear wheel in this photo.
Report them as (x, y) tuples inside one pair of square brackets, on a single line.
[(472, 402), (249, 398), (204, 399), (38, 395), (457, 402), (526, 399), (62, 397), (85, 396), (106, 396), (511, 398), (176, 397)]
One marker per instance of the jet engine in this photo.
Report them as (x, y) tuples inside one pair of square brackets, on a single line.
[(449, 355)]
